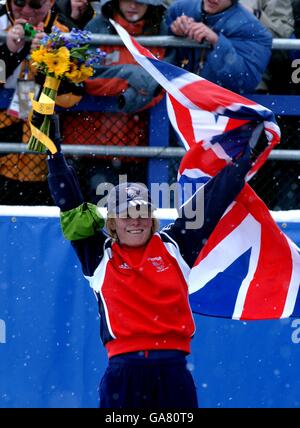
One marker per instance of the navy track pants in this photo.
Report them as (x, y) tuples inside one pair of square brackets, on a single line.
[(158, 379)]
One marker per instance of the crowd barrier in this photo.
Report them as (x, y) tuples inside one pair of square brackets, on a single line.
[(50, 349), (276, 183)]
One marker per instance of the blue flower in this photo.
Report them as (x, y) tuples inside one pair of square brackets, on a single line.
[(80, 36)]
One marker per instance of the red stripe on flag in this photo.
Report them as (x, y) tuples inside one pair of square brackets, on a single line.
[(205, 160), (265, 154), (141, 49), (215, 96), (235, 123), (268, 290), (183, 121), (226, 225)]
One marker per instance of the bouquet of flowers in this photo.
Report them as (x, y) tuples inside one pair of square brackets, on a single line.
[(59, 58)]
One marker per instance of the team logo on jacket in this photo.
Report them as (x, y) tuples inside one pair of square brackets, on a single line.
[(124, 266), (158, 263)]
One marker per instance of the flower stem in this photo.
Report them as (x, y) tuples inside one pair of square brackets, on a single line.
[(34, 144)]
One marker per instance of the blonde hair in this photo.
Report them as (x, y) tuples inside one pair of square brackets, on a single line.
[(111, 227)]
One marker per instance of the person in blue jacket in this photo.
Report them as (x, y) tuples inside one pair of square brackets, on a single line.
[(240, 44)]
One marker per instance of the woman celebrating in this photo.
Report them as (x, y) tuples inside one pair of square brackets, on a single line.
[(139, 276)]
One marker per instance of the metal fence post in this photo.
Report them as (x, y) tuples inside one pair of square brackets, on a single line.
[(158, 170), (2, 71)]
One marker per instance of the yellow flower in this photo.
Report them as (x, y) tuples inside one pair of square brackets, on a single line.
[(59, 62), (76, 75), (64, 52), (73, 74), (86, 72), (38, 54)]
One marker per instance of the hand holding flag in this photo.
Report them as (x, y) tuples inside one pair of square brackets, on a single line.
[(248, 269)]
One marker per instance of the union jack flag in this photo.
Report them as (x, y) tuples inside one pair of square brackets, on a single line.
[(248, 269)]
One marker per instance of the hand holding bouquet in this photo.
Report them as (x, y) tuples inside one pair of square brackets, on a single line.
[(59, 57)]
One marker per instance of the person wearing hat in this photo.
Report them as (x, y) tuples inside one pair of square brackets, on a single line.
[(240, 46), (119, 75), (133, 89), (79, 11), (23, 174), (277, 17), (139, 276)]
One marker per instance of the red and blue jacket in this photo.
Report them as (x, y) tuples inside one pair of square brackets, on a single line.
[(142, 293)]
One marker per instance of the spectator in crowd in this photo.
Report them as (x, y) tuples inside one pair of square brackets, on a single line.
[(120, 76), (277, 16), (241, 46), (168, 3), (79, 11), (23, 176)]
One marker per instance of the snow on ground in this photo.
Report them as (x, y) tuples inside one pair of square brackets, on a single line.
[(292, 216)]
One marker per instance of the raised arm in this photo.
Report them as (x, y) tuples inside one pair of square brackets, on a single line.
[(208, 205), (81, 222)]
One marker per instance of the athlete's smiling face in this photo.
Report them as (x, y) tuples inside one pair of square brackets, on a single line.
[(133, 232)]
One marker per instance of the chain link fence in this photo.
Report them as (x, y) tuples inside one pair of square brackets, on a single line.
[(106, 129), (278, 182), (23, 175)]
